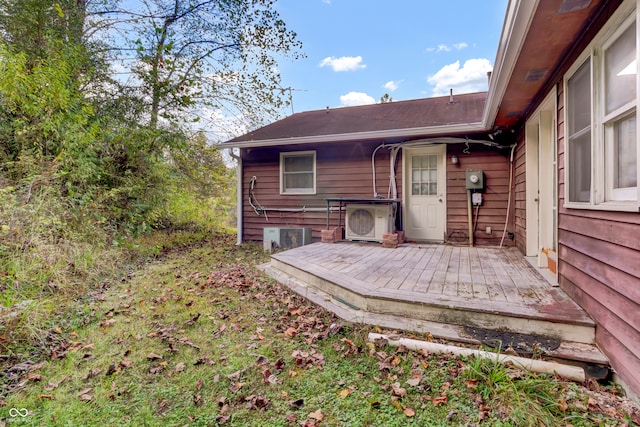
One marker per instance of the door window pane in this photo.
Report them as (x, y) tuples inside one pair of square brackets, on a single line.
[(424, 173)]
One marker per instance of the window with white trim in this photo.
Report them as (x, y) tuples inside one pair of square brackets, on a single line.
[(601, 98), (298, 172)]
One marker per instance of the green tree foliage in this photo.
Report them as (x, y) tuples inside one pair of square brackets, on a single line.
[(214, 53), (114, 144)]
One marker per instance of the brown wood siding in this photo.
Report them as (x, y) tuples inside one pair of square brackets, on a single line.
[(520, 190), (599, 267), (492, 213), (342, 170)]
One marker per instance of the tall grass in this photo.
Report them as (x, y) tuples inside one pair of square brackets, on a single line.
[(54, 253)]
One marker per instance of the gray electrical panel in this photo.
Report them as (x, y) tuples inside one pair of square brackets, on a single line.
[(475, 180)]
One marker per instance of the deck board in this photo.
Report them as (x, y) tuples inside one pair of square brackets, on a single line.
[(479, 279)]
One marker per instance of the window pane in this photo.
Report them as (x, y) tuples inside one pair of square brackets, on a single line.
[(621, 70), (298, 181), (298, 172), (579, 142), (298, 163), (580, 168), (579, 99), (415, 189), (625, 159)]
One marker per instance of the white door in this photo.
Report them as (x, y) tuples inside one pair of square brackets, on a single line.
[(424, 190), (542, 183)]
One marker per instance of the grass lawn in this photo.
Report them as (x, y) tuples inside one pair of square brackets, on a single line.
[(199, 337)]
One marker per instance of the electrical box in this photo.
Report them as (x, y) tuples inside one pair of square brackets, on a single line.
[(476, 199), (475, 180)]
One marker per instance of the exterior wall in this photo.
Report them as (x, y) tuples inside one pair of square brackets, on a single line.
[(342, 170), (520, 194), (493, 211), (599, 267)]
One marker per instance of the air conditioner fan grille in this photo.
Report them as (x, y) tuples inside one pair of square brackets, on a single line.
[(361, 222)]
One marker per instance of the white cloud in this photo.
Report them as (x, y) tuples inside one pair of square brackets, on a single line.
[(472, 77), (356, 98), (391, 85), (326, 1), (344, 63), (445, 48)]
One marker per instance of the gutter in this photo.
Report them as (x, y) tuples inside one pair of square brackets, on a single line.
[(514, 31), (357, 136)]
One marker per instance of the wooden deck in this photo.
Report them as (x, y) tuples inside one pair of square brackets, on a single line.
[(445, 290)]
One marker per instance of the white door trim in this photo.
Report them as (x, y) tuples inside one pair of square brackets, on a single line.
[(541, 180)]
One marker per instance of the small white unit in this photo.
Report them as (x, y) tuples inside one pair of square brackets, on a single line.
[(367, 222), (286, 237)]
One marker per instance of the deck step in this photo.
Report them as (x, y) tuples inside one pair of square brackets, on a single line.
[(550, 321), (357, 309)]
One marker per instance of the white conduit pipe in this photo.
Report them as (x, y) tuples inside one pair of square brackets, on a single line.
[(573, 373), (373, 169)]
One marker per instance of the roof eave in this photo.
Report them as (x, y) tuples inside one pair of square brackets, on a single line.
[(359, 136), (514, 31)]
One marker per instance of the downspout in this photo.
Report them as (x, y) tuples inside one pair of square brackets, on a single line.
[(239, 206)]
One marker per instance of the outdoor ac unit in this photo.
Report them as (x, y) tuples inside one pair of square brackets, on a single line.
[(367, 222), (287, 237)]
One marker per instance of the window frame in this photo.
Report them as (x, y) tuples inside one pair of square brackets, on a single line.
[(602, 193), (297, 191)]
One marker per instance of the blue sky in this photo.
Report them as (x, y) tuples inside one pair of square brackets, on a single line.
[(358, 50)]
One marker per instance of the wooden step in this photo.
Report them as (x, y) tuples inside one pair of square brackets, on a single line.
[(359, 308), (442, 309)]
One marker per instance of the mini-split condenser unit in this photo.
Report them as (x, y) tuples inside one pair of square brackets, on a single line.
[(286, 237), (367, 222)]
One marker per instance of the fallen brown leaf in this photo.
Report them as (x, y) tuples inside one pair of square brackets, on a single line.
[(54, 385), (92, 373), (409, 412), (344, 393), (317, 415), (35, 377), (398, 391), (439, 400)]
